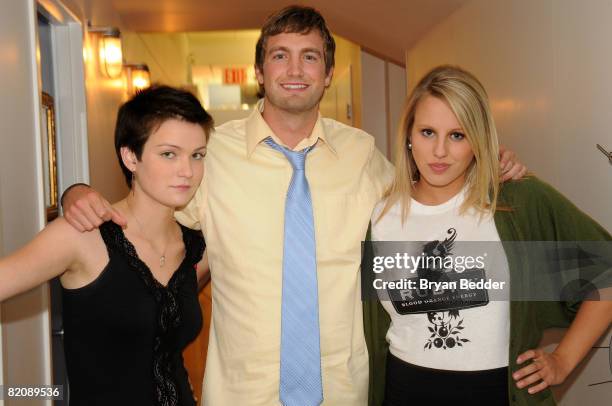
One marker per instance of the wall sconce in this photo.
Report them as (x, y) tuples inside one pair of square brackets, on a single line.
[(111, 57), (138, 77)]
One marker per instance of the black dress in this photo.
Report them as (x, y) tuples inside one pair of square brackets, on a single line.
[(125, 332)]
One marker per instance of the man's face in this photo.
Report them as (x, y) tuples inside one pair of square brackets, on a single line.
[(293, 73)]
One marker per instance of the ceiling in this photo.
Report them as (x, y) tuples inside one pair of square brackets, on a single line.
[(385, 27)]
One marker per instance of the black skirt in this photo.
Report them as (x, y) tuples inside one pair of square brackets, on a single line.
[(409, 385)]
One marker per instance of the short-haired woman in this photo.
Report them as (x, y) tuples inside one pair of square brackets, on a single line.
[(130, 295)]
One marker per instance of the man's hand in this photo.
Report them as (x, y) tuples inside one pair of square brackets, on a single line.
[(510, 166), (85, 209)]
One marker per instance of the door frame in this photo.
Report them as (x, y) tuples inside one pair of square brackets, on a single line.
[(67, 33)]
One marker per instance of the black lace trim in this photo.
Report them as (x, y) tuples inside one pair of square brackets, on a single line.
[(169, 316)]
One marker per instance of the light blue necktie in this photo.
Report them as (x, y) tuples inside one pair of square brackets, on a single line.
[(300, 357)]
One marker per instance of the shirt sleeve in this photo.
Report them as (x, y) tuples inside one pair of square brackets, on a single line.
[(586, 243), (380, 171), (580, 256)]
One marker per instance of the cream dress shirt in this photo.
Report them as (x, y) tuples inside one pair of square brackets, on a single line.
[(240, 207)]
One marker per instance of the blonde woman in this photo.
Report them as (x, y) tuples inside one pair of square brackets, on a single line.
[(446, 191)]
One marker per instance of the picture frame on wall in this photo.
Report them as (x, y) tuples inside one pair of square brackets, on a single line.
[(49, 156)]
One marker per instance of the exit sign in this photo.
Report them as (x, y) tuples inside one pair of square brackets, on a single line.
[(234, 76)]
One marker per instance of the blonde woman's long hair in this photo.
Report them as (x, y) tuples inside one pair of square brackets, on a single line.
[(469, 102)]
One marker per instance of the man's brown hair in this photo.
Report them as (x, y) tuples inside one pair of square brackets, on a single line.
[(295, 20)]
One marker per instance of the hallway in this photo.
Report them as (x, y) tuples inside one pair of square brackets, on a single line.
[(545, 65)]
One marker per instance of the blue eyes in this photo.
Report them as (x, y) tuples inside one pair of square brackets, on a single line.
[(455, 136), (427, 132)]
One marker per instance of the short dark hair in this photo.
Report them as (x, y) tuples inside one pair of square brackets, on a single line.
[(295, 20), (144, 113)]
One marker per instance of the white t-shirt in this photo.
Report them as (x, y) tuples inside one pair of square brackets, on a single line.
[(431, 328)]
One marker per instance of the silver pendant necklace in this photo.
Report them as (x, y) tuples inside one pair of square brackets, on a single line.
[(162, 257)]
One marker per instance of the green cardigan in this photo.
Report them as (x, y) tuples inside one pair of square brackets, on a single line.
[(534, 212)]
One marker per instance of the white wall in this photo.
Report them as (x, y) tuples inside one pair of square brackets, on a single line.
[(374, 99), (397, 97), (546, 66), (25, 318), (383, 89)]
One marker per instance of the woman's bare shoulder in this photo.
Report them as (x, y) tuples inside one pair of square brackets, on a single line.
[(65, 233), (61, 234)]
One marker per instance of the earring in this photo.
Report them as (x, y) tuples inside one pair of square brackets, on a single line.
[(409, 146)]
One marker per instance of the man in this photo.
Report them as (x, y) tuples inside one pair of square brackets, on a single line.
[(260, 353)]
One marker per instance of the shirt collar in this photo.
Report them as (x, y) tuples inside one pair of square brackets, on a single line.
[(258, 130)]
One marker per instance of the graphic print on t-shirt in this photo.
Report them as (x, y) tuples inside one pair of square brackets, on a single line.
[(440, 301), (446, 331)]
